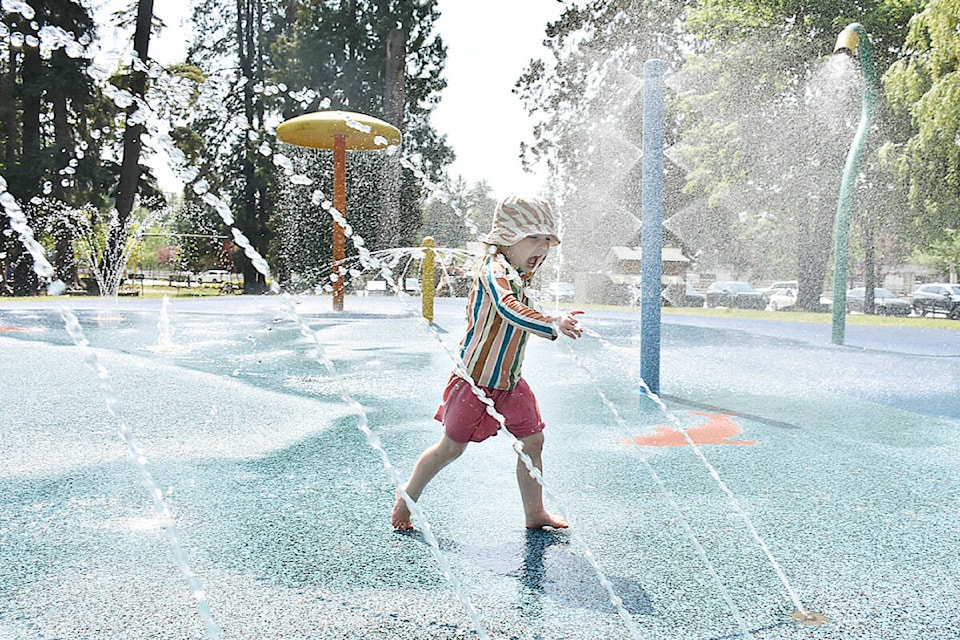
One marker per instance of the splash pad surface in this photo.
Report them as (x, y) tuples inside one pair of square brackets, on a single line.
[(845, 459)]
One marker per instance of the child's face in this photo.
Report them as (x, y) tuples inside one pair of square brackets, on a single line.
[(527, 254)]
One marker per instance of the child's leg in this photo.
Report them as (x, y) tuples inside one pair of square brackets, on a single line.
[(530, 490), (431, 461)]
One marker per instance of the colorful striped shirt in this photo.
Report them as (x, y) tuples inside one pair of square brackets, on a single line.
[(499, 321)]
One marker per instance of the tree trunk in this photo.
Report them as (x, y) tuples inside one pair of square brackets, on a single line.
[(251, 220), (64, 262), (29, 174), (32, 92), (869, 269), (264, 203), (394, 100), (130, 166), (8, 110), (813, 253)]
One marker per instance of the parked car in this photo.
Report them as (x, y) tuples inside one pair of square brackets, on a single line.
[(884, 302), (937, 297), (560, 291), (782, 284), (692, 297), (735, 294), (782, 298), (689, 297), (213, 275), (826, 302)]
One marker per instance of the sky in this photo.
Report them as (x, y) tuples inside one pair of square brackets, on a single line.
[(489, 43)]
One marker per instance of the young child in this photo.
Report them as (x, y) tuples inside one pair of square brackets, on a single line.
[(499, 322)]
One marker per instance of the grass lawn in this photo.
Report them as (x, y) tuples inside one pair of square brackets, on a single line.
[(148, 292), (157, 292), (796, 316), (822, 318)]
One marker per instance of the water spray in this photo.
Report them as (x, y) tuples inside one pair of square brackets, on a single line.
[(355, 127), (664, 491), (44, 269), (371, 262), (339, 130), (852, 39), (535, 473), (374, 442), (803, 615)]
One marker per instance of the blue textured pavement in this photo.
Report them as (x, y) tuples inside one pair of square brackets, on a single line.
[(843, 459)]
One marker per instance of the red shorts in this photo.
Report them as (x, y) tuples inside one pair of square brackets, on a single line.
[(465, 418)]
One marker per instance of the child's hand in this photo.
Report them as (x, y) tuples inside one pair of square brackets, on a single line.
[(569, 325)]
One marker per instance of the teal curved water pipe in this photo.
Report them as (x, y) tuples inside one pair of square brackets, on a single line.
[(852, 40)]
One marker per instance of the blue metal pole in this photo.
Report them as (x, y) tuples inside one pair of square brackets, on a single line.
[(651, 267)]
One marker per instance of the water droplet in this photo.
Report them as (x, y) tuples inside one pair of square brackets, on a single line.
[(355, 124), (19, 6), (283, 162)]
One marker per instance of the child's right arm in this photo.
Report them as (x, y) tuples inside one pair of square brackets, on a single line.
[(495, 282)]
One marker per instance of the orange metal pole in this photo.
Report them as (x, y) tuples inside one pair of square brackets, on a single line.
[(340, 203)]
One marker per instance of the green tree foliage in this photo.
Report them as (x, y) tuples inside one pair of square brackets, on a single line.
[(755, 157), (763, 153), (275, 60), (62, 135), (586, 100), (924, 86), (232, 47), (460, 217), (339, 49), (199, 227), (56, 125), (767, 138), (942, 254)]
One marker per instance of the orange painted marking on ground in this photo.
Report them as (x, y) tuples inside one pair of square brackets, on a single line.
[(22, 329), (718, 429)]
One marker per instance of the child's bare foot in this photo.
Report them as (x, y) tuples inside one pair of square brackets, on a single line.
[(401, 515), (546, 519)]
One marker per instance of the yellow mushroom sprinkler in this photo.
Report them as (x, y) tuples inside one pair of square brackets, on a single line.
[(339, 131)]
